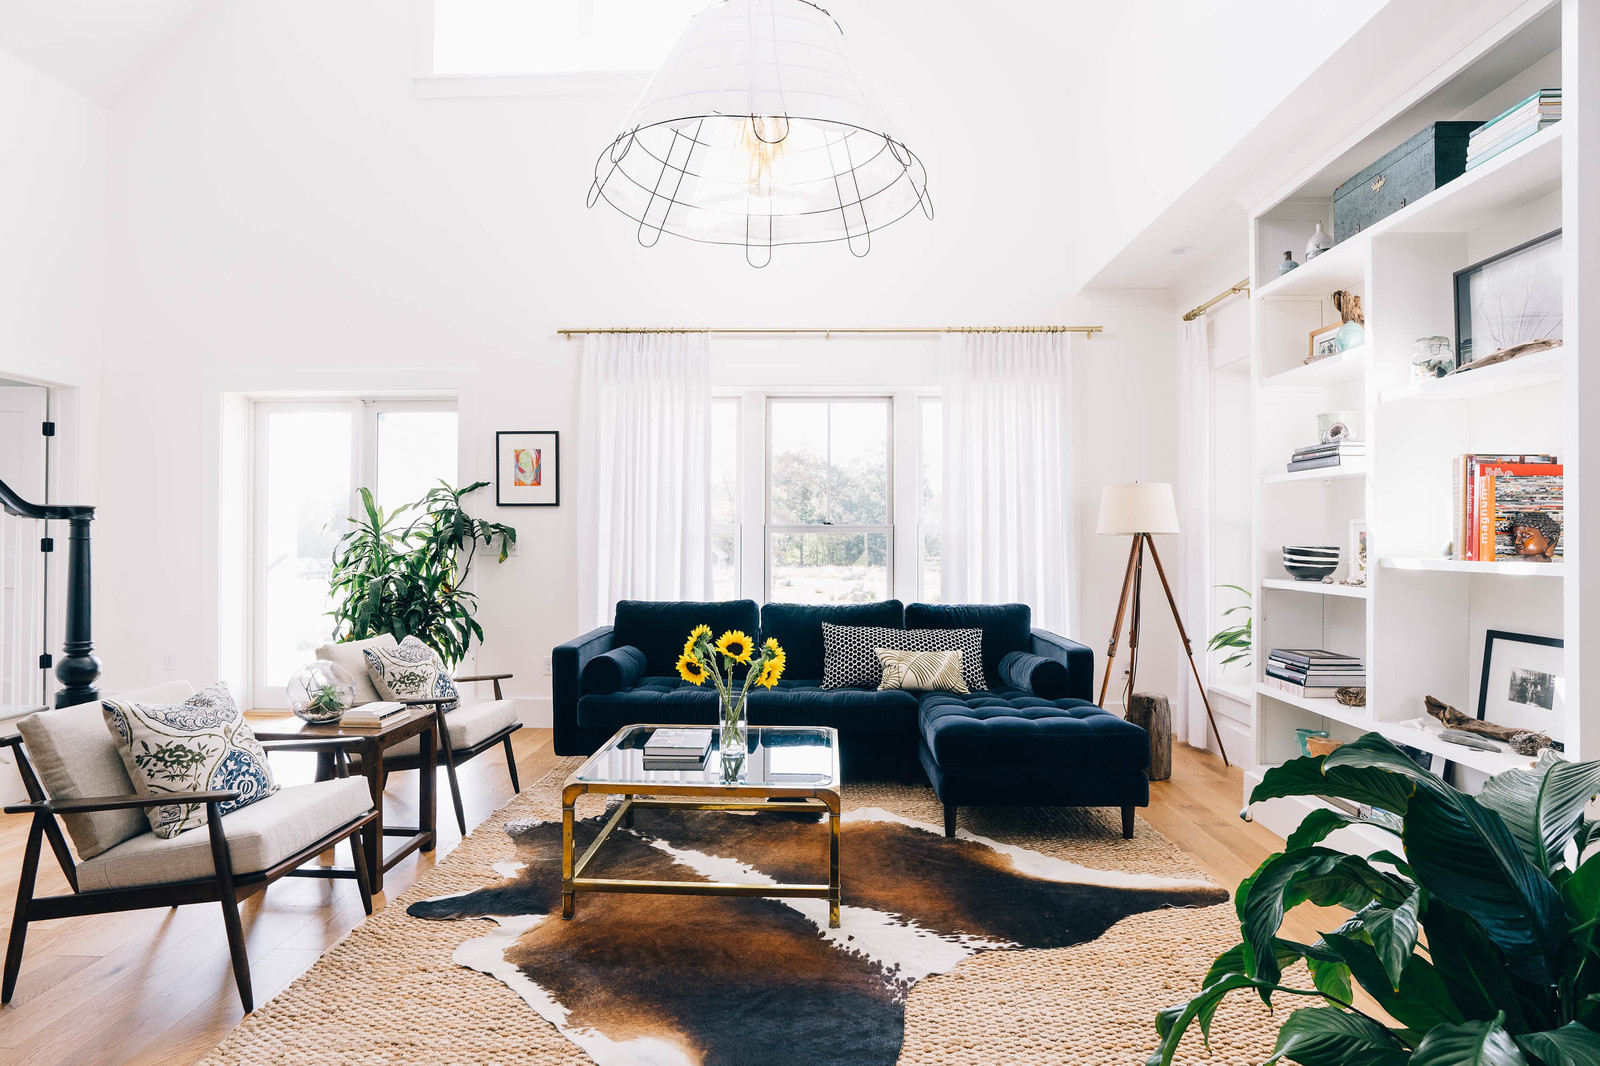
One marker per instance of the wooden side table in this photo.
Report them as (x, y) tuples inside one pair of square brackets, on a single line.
[(419, 721)]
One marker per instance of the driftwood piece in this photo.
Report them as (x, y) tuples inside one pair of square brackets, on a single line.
[(1522, 741), (1507, 354), (1152, 713)]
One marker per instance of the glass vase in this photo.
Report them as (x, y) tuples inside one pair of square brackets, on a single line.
[(735, 732)]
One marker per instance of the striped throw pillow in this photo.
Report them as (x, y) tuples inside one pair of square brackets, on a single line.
[(921, 671)]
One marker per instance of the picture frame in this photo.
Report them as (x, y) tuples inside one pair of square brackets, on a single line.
[(1325, 342), (1358, 553), (1523, 684), (1509, 299), (527, 466)]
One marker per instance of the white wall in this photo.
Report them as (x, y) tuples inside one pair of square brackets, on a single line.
[(285, 212)]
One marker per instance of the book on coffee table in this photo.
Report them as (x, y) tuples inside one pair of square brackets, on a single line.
[(678, 744)]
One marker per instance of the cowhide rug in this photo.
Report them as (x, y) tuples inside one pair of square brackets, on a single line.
[(723, 981)]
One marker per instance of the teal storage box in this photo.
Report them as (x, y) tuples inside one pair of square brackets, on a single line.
[(1430, 159)]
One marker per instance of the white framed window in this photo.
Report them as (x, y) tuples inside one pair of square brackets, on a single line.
[(309, 459), (523, 37), (930, 499), (826, 505)]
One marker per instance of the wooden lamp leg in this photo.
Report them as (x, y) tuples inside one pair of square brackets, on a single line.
[(1188, 650), (1122, 610)]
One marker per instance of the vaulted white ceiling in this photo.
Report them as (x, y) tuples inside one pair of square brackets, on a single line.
[(96, 47)]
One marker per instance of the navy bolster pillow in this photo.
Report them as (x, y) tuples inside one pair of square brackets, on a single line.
[(614, 671), (1046, 678)]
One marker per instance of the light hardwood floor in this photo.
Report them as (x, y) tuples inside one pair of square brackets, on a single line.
[(154, 987)]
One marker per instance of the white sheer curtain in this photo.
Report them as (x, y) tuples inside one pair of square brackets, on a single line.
[(1009, 481), (644, 432), (1194, 519)]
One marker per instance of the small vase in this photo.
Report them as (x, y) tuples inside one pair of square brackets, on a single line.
[(1320, 242), (735, 732), (1288, 263)]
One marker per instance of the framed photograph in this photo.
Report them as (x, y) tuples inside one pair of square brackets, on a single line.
[(1358, 553), (1324, 342), (1524, 683), (527, 468), (1509, 300)]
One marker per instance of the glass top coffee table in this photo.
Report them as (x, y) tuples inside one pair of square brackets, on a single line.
[(788, 768)]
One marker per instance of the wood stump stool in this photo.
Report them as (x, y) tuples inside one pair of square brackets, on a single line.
[(1151, 712)]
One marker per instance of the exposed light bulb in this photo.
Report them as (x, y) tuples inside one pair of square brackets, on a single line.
[(764, 141)]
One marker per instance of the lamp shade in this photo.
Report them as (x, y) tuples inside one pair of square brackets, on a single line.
[(760, 130), (1139, 507)]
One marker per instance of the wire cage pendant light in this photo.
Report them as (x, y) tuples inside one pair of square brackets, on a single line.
[(761, 130)]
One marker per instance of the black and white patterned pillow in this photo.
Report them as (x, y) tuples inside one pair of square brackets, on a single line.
[(410, 671), (850, 657)]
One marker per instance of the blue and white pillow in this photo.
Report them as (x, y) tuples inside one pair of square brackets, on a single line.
[(201, 744), (411, 671)]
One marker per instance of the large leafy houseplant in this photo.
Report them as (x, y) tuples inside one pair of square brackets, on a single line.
[(1477, 938), (402, 571), (1236, 639)]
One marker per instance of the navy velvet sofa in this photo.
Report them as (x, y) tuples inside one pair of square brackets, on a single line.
[(1033, 738)]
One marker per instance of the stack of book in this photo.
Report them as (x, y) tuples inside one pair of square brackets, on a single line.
[(1343, 452), (370, 715), (1490, 491), (677, 749), (1541, 109), (1314, 673)]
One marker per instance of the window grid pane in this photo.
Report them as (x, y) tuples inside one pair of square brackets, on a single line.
[(932, 500)]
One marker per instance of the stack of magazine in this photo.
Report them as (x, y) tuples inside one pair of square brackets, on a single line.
[(677, 749), (372, 715), (1541, 109), (1333, 453), (1313, 672)]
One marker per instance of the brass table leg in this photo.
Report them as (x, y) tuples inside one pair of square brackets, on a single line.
[(566, 858), (833, 866)]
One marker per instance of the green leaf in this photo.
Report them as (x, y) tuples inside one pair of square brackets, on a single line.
[(1322, 876), (1570, 1045), (1467, 857), (1543, 807), (1422, 999), (1332, 979), (1309, 776), (1326, 1036), (1468, 1044), (1324, 820), (1472, 968), (1394, 933)]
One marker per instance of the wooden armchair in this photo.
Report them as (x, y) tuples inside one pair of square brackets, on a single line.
[(238, 855)]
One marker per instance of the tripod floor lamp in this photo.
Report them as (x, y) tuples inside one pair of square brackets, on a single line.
[(1141, 510)]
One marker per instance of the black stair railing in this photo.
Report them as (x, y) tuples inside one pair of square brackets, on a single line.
[(79, 668)]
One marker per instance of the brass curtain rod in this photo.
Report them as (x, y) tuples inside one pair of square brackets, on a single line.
[(1243, 286), (1087, 331)]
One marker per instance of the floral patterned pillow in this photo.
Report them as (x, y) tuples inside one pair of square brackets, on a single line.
[(410, 671), (201, 744)]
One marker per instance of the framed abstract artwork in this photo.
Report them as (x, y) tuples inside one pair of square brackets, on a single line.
[(527, 468), (1510, 302), (1524, 683)]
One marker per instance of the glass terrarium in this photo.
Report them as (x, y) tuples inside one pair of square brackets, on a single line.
[(320, 692)]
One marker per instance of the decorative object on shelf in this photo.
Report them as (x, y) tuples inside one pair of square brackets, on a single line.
[(1333, 426), (1535, 535), (1508, 508), (1509, 301), (1320, 456), (409, 580), (1320, 242), (1310, 562), (1506, 870), (527, 468), (1514, 125), (1313, 673), (759, 130), (1431, 357), (1467, 740), (1434, 157), (1324, 342), (1322, 745), (721, 660), (1358, 553), (1523, 684), (1142, 510), (1236, 639), (1534, 741), (320, 692), (1304, 736), (1353, 328), (1351, 695), (1288, 263), (1508, 354)]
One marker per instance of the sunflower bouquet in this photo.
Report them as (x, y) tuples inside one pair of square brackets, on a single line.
[(717, 660)]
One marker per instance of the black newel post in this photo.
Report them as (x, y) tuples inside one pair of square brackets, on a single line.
[(78, 668)]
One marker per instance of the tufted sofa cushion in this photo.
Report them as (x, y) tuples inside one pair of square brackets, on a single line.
[(659, 627), (798, 627), (652, 701), (988, 730), (614, 670), (1007, 627)]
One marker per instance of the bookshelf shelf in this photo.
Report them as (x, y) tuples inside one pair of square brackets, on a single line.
[(1463, 566), (1528, 372), (1332, 370), (1316, 588), (1327, 473)]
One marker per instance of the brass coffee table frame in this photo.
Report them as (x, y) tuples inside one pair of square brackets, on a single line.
[(697, 796)]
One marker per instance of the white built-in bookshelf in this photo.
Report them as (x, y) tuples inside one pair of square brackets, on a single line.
[(1420, 620)]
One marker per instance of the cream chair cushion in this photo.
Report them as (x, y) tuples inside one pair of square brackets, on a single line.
[(468, 724), (349, 655), (76, 758), (259, 837)]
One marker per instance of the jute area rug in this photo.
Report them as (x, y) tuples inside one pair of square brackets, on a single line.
[(393, 992)]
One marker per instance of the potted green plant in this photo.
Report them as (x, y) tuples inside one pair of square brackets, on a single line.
[(1477, 935), (402, 572), (1235, 639)]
